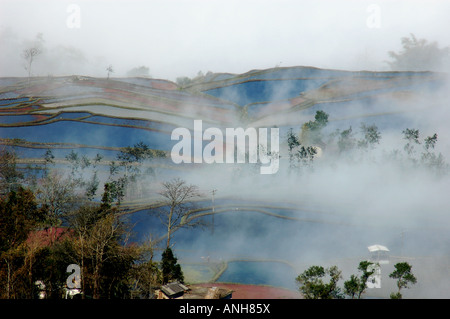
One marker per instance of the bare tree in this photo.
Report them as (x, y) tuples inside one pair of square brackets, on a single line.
[(103, 236), (33, 49), (145, 274), (58, 194), (109, 69), (29, 55), (82, 221), (177, 206)]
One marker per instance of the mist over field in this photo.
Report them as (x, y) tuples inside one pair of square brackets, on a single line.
[(111, 75)]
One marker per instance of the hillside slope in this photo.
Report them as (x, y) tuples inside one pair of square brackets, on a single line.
[(94, 114)]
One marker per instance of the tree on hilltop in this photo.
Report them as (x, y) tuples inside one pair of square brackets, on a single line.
[(418, 55)]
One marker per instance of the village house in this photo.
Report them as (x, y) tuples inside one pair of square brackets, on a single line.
[(178, 290)]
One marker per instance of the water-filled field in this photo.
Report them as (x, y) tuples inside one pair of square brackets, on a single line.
[(88, 134), (269, 273), (268, 249), (268, 242), (263, 91)]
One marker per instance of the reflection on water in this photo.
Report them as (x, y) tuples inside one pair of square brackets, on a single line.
[(275, 274)]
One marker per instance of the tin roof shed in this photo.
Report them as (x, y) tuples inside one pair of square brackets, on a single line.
[(174, 289)]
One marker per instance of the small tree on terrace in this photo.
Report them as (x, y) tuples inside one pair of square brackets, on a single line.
[(109, 70), (30, 53), (293, 142), (346, 141), (412, 136), (371, 136), (312, 284), (404, 278), (171, 270), (311, 131), (356, 286)]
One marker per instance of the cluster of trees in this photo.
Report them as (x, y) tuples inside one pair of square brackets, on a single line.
[(52, 220), (140, 71), (303, 148), (184, 81), (34, 250), (313, 285), (419, 55), (129, 169)]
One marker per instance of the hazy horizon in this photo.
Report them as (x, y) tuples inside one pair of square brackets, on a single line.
[(182, 37)]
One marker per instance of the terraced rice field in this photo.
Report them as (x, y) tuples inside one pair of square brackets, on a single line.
[(93, 115)]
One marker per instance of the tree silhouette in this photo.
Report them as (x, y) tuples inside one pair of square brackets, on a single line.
[(418, 55), (171, 270)]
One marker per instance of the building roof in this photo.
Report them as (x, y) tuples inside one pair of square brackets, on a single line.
[(48, 236), (377, 248), (174, 288)]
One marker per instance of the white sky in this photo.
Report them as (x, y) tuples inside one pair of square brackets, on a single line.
[(181, 37)]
